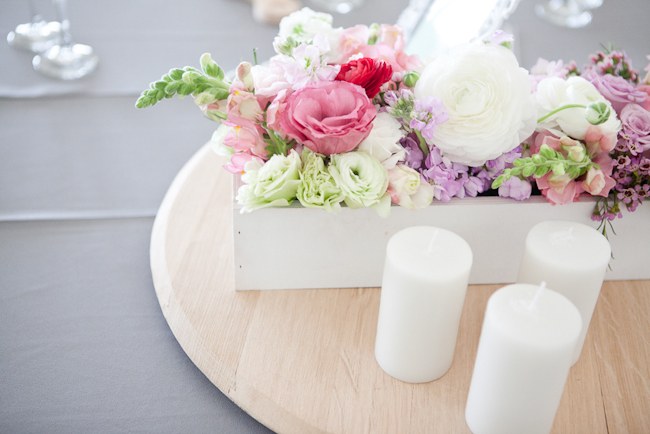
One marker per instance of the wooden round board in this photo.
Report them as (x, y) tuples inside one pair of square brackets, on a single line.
[(302, 361)]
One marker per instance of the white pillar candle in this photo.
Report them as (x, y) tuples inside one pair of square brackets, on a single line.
[(572, 259), (524, 356), (422, 295)]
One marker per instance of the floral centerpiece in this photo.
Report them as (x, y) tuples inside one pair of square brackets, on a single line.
[(346, 116)]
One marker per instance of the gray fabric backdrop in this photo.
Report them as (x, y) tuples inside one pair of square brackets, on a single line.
[(83, 344)]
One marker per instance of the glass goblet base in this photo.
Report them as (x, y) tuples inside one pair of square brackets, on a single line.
[(66, 62), (339, 6), (563, 13)]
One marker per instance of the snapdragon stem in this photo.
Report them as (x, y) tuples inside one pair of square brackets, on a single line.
[(422, 143), (559, 109)]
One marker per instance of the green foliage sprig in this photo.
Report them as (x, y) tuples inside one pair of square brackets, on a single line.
[(207, 84), (546, 161)]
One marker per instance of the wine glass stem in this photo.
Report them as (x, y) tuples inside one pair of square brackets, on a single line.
[(61, 10), (36, 17)]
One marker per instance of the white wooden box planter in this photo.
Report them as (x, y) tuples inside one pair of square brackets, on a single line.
[(295, 247)]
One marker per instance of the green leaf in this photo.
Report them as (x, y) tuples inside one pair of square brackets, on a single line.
[(541, 171), (528, 170), (546, 152), (210, 67), (498, 181)]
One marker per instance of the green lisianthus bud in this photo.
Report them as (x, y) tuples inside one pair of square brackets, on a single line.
[(411, 78), (597, 113)]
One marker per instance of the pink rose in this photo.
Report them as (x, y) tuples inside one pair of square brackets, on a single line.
[(636, 125), (645, 88), (329, 117)]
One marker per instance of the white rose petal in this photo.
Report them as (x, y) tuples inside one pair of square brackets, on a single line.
[(488, 98), (383, 141)]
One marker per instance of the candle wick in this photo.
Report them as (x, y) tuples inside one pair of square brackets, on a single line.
[(538, 293), (432, 242)]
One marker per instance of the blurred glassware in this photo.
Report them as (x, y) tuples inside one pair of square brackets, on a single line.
[(434, 26), (37, 35), (65, 60), (591, 4), (340, 6), (565, 13)]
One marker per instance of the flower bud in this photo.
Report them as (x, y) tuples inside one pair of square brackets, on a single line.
[(597, 113), (244, 75), (411, 78), (576, 153)]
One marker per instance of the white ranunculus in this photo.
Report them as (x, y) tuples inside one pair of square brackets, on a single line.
[(383, 141), (408, 189), (553, 93), (362, 179), (488, 98), (271, 184)]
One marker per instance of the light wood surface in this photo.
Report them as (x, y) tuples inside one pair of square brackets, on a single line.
[(302, 361)]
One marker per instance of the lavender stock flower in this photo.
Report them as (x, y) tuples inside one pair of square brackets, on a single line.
[(427, 114), (414, 155)]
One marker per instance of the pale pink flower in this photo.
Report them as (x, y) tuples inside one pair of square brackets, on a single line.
[(245, 139), (238, 162), (559, 190), (597, 183), (244, 109)]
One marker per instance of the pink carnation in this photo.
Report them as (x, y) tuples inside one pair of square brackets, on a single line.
[(329, 117)]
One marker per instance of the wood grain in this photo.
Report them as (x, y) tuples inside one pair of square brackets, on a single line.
[(303, 362)]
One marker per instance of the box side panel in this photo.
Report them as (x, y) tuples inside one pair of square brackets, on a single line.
[(292, 248)]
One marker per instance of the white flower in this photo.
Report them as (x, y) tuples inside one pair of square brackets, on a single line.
[(408, 189), (488, 98), (304, 26), (553, 93), (362, 179), (270, 184), (305, 65), (383, 141)]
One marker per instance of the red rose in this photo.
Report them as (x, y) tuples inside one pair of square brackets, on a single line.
[(367, 73)]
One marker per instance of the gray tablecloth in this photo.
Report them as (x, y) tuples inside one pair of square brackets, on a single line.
[(83, 344)]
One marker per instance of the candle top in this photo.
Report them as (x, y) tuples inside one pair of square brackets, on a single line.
[(430, 252), (568, 243), (540, 318)]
